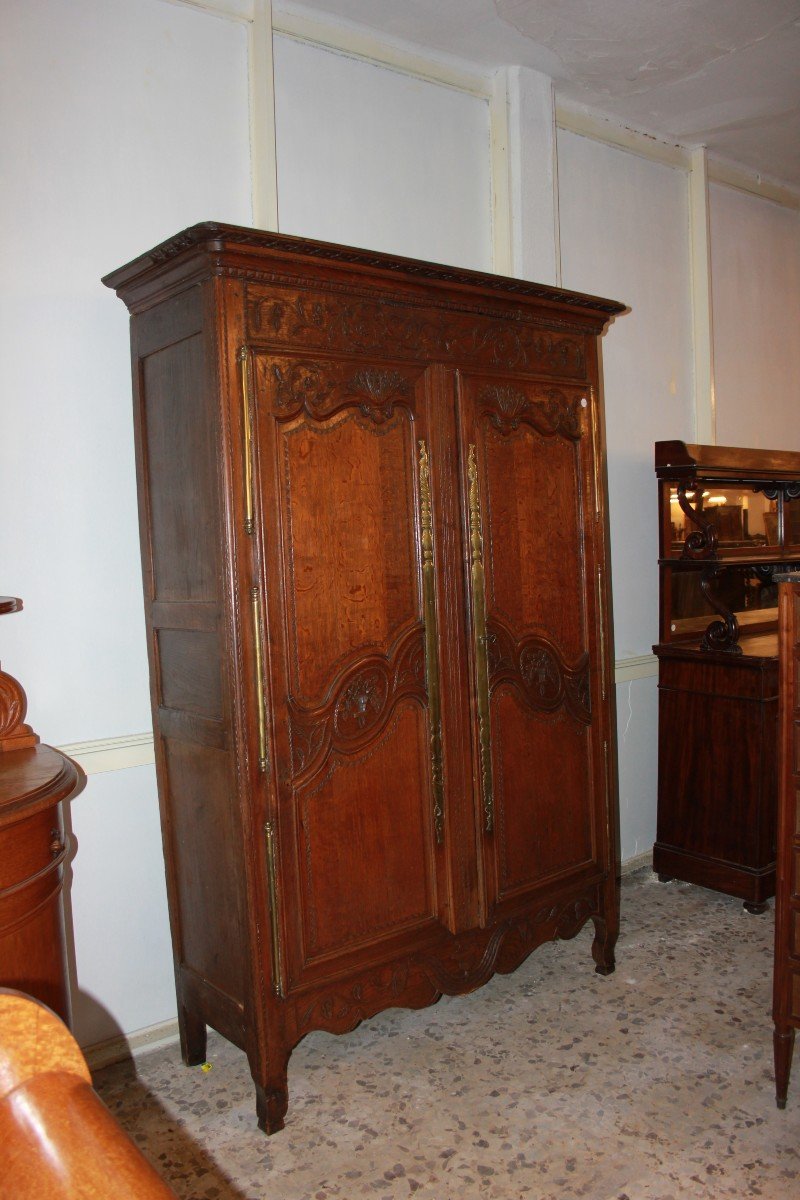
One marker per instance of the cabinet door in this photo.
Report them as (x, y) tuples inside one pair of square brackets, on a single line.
[(527, 487), (343, 476)]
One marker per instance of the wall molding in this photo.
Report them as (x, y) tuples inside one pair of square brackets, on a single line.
[(136, 749), (705, 404), (356, 41), (112, 754), (733, 176), (642, 666), (573, 118)]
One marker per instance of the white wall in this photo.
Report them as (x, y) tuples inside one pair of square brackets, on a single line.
[(755, 252), (371, 157), (625, 233), (124, 122)]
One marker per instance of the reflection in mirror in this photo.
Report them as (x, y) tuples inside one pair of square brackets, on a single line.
[(752, 600), (741, 517)]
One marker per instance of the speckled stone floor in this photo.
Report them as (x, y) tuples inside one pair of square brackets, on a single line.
[(551, 1083)]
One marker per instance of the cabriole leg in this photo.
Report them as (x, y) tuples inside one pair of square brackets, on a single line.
[(271, 1104), (605, 939)]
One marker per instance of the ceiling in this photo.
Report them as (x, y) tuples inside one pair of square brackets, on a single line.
[(719, 73)]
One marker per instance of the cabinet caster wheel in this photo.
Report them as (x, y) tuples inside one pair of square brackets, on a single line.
[(755, 909), (665, 878)]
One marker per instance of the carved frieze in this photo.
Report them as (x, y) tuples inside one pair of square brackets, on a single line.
[(394, 326)]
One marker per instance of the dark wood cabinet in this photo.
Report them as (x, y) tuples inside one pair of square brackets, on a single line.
[(728, 521), (717, 771), (373, 526)]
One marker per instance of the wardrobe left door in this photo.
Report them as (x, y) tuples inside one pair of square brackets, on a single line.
[(344, 512)]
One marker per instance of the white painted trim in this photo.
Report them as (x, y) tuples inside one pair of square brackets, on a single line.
[(234, 10), (641, 667), (731, 175), (112, 754), (263, 156), (356, 41), (500, 169), (575, 119), (131, 1045), (705, 404)]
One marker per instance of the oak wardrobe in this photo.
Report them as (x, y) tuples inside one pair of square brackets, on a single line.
[(373, 530)]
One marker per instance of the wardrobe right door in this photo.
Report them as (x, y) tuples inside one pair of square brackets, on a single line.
[(532, 515)]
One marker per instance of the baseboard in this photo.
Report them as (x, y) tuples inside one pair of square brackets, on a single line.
[(639, 860), (131, 1045)]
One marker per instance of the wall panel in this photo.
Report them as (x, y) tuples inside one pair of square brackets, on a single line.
[(372, 157), (755, 260)]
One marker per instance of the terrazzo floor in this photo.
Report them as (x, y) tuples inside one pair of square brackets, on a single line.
[(551, 1083)]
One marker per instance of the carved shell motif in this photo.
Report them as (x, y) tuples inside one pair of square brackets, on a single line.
[(381, 390)]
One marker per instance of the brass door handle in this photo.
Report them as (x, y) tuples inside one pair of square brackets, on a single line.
[(431, 641), (255, 600), (479, 634), (248, 441), (275, 929)]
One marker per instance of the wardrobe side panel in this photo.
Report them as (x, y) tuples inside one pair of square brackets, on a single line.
[(183, 550)]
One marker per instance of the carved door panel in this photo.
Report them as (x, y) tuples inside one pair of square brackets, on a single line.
[(528, 481), (342, 457)]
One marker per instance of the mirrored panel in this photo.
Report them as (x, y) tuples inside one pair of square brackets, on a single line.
[(752, 600), (744, 520)]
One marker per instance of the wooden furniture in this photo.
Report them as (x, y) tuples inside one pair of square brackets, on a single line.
[(728, 520), (786, 979), (59, 1140), (374, 548), (35, 781)]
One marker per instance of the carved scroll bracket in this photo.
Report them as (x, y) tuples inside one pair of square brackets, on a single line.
[(720, 635), (701, 542)]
